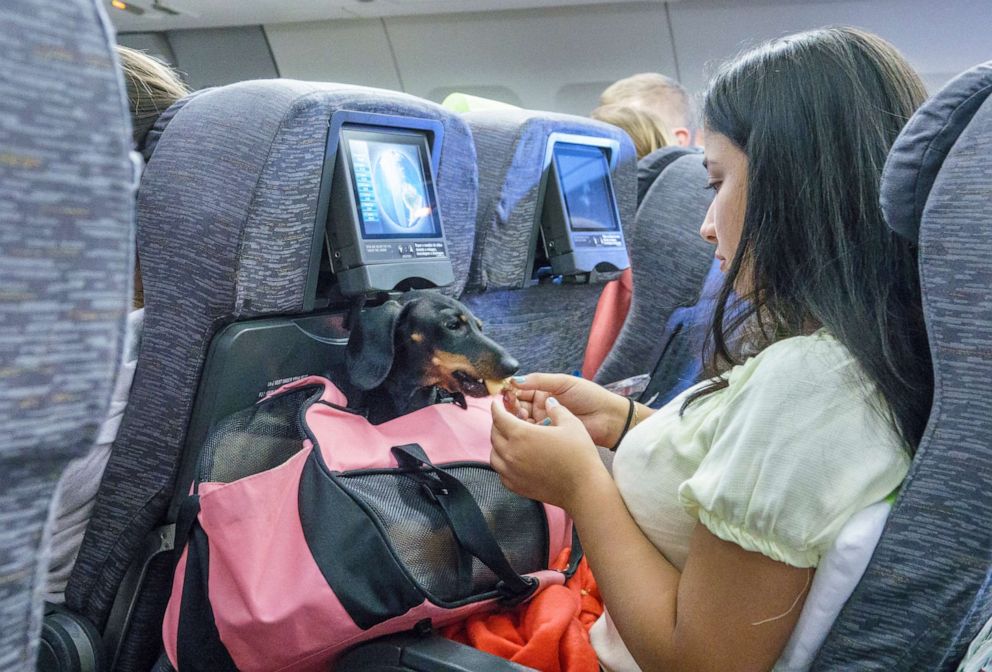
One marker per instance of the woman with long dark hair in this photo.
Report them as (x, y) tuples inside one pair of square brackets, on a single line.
[(723, 502)]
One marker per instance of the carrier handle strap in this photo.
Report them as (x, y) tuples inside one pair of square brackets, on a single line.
[(467, 523)]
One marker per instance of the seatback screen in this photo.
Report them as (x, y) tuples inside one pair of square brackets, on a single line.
[(391, 177), (586, 186)]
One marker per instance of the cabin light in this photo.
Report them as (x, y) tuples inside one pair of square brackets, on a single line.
[(125, 7)]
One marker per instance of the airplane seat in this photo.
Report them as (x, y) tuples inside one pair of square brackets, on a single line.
[(675, 281), (927, 590), (230, 235), (66, 237), (545, 325)]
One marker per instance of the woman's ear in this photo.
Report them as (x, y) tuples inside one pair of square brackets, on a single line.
[(370, 351)]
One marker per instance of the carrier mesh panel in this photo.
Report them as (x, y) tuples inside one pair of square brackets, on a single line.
[(419, 532), (255, 439)]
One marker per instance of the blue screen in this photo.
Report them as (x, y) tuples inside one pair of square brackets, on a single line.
[(392, 188), (585, 183)]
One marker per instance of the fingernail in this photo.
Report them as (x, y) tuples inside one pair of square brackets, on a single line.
[(519, 379), (546, 422), (551, 402)]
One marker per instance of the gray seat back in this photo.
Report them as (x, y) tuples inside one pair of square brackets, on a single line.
[(669, 261), (227, 213), (66, 236), (927, 590), (545, 326)]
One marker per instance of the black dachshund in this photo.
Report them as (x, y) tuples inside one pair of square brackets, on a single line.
[(403, 353)]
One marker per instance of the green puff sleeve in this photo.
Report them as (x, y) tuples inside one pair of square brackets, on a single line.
[(801, 444)]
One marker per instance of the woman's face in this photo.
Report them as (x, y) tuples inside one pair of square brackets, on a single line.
[(726, 167)]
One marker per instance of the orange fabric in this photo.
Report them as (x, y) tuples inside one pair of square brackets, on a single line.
[(611, 312), (549, 633)]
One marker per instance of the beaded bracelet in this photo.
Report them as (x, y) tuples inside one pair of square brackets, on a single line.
[(631, 421)]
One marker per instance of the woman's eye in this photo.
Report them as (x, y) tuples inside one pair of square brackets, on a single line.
[(715, 186)]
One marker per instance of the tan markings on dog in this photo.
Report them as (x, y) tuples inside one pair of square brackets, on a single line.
[(478, 323), (443, 366), (416, 337), (463, 319)]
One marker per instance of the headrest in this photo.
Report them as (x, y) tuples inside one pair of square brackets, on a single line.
[(510, 146), (919, 152), (650, 166), (66, 225), (236, 173), (147, 146)]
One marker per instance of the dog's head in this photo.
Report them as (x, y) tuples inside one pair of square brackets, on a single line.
[(428, 339)]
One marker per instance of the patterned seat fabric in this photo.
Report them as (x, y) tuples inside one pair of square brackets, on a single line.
[(670, 262), (66, 237), (927, 591), (545, 326), (227, 212)]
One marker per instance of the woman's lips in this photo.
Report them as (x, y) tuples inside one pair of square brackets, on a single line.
[(723, 263)]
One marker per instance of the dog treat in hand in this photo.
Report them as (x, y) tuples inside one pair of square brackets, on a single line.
[(495, 387)]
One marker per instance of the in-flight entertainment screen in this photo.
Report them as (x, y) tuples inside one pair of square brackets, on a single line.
[(585, 183), (392, 184)]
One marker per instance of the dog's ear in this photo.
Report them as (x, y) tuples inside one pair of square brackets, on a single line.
[(369, 355)]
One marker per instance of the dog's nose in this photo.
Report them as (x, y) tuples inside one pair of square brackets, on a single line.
[(508, 365)]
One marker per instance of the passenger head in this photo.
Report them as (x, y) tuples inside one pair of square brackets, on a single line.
[(645, 128), (798, 130), (152, 87), (660, 95)]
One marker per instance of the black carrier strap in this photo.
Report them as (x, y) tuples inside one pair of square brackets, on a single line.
[(467, 522), (198, 644), (189, 509)]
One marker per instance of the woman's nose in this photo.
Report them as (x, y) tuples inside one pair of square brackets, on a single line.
[(708, 229)]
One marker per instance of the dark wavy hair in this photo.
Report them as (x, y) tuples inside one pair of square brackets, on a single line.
[(815, 114)]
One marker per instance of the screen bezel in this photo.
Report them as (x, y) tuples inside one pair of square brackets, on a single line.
[(434, 132), (413, 138), (612, 148), (607, 179)]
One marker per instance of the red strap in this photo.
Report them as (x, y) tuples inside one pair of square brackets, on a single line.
[(611, 313)]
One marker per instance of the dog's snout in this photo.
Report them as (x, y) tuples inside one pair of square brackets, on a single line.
[(508, 366)]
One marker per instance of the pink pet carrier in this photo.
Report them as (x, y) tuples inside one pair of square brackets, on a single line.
[(351, 531)]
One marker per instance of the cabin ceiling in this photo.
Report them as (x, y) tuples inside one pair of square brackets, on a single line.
[(218, 13)]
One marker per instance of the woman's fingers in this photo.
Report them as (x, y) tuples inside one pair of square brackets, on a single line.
[(514, 406), (504, 423), (552, 383), (522, 395), (559, 416)]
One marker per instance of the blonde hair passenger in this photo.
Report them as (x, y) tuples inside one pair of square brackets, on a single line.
[(152, 87), (658, 95), (644, 127)]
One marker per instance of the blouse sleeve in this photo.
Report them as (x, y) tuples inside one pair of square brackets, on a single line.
[(800, 445)]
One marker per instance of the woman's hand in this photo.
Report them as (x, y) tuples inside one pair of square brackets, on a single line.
[(550, 461), (601, 412)]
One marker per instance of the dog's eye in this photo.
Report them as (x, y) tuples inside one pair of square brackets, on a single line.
[(453, 325)]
